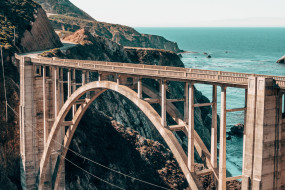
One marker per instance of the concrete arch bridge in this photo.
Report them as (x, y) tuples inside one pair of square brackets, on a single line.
[(45, 105)]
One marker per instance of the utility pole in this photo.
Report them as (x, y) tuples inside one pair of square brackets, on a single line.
[(4, 83)]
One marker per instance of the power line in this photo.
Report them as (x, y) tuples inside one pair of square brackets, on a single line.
[(79, 155), (62, 156)]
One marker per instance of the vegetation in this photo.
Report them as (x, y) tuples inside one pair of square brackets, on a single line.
[(63, 8), (52, 53), (18, 14)]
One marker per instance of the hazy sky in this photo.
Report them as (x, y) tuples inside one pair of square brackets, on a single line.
[(183, 13)]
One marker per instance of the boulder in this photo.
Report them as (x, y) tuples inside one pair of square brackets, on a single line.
[(281, 60), (237, 129)]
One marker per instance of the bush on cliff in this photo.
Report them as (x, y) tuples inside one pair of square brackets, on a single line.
[(18, 14)]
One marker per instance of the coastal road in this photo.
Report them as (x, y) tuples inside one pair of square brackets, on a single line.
[(66, 45)]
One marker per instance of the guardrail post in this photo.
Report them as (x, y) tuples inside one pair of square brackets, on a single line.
[(163, 103), (222, 156), (191, 128)]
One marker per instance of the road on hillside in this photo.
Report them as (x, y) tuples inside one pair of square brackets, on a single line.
[(66, 45)]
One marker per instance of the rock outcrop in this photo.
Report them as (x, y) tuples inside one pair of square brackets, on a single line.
[(127, 36), (281, 60), (123, 35), (40, 36), (237, 129), (64, 7), (94, 48)]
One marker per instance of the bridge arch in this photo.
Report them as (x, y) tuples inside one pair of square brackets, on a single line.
[(148, 110)]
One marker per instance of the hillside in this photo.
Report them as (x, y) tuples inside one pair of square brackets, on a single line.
[(63, 7), (33, 31), (123, 35)]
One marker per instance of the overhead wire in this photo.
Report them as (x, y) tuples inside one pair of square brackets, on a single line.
[(79, 155), (64, 157)]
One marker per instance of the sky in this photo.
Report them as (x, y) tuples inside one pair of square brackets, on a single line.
[(187, 13)]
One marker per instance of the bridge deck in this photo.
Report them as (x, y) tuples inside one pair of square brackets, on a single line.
[(230, 79)]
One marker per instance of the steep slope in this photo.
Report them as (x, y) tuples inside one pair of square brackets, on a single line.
[(32, 27), (64, 7), (124, 35)]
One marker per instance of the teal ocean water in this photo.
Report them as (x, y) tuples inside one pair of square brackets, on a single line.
[(250, 50)]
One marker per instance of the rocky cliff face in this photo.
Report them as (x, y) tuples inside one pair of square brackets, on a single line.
[(127, 36), (64, 7), (33, 30), (123, 35), (40, 35)]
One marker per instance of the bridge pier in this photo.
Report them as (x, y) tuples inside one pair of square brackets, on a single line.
[(214, 129), (191, 128), (163, 104), (186, 102), (139, 88), (223, 143)]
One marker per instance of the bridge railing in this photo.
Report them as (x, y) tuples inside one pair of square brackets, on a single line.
[(142, 69)]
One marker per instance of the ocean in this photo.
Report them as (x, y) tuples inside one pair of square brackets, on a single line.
[(245, 50)]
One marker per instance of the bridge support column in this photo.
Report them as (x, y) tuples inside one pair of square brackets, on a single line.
[(139, 88), (267, 139), (87, 81), (83, 78), (27, 107), (163, 104), (61, 88), (68, 83), (244, 126), (214, 129), (222, 155), (44, 106), (249, 134), (186, 102), (191, 128), (73, 90)]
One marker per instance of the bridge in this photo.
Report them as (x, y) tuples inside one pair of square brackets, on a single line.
[(45, 104)]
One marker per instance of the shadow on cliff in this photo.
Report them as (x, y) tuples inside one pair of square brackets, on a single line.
[(124, 150)]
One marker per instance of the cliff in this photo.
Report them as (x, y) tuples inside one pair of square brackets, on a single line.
[(123, 35), (64, 7), (40, 35), (33, 30)]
